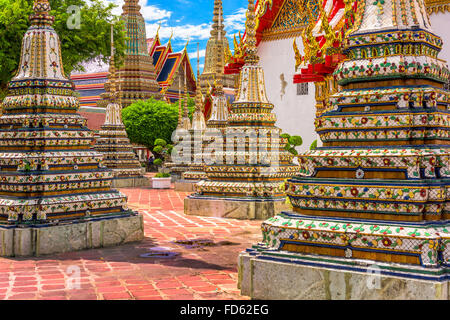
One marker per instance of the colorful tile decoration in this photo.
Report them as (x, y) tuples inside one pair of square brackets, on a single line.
[(216, 52), (378, 190), (196, 170), (113, 142), (240, 172), (48, 170), (138, 74)]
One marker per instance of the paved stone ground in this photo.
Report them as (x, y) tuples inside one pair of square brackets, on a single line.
[(205, 272)]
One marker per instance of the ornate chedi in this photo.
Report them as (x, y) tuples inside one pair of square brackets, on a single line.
[(245, 179), (49, 173), (219, 103), (217, 48), (177, 168), (196, 170), (138, 72), (377, 193), (114, 144)]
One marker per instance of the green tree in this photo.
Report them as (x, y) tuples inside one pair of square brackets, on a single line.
[(147, 121), (91, 40)]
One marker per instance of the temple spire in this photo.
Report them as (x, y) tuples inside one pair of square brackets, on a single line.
[(186, 121), (180, 107), (112, 69), (251, 50), (139, 79), (198, 95), (198, 118), (217, 28)]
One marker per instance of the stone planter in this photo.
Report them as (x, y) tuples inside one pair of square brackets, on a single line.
[(161, 183)]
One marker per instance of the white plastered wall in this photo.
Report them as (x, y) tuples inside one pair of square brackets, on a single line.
[(295, 113), (440, 22)]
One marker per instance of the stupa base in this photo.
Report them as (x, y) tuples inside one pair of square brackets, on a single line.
[(185, 185), (130, 182), (277, 275), (243, 208), (40, 240)]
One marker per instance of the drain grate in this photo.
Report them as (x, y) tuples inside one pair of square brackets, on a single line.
[(196, 243)]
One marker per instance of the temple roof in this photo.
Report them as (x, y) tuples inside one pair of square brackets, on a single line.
[(167, 62)]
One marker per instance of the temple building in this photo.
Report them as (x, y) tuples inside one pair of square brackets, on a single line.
[(217, 49), (279, 23), (55, 191), (245, 178), (375, 197), (170, 68)]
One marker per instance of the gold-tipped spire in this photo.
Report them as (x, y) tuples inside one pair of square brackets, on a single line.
[(198, 95), (251, 56), (198, 118), (112, 69), (217, 28), (180, 107), (186, 95)]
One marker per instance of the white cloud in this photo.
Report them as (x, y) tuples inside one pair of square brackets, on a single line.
[(184, 32), (149, 12), (236, 21), (193, 55)]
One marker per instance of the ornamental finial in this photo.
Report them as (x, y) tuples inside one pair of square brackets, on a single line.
[(250, 29), (198, 96), (41, 9)]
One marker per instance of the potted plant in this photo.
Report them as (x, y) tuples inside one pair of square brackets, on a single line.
[(161, 181)]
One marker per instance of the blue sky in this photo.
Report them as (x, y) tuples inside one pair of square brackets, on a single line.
[(189, 19)]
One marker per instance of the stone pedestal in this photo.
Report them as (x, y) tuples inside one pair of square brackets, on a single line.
[(131, 182), (242, 208), (185, 185), (50, 239), (283, 276)]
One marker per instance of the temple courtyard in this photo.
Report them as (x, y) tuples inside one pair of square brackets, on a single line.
[(167, 265)]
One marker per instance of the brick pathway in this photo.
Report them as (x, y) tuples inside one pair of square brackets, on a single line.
[(129, 271)]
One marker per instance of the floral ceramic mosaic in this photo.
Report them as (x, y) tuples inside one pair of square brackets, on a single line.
[(378, 190), (48, 171)]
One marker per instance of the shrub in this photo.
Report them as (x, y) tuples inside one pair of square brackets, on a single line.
[(313, 145), (162, 175), (293, 142)]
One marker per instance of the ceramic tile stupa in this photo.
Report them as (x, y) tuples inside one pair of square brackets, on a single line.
[(246, 178), (138, 72), (114, 145), (218, 120), (177, 168), (216, 51), (374, 198), (196, 170), (55, 192)]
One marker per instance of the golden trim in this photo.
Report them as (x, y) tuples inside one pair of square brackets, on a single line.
[(273, 35), (435, 6)]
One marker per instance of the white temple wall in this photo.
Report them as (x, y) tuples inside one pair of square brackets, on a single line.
[(295, 113), (440, 22)]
